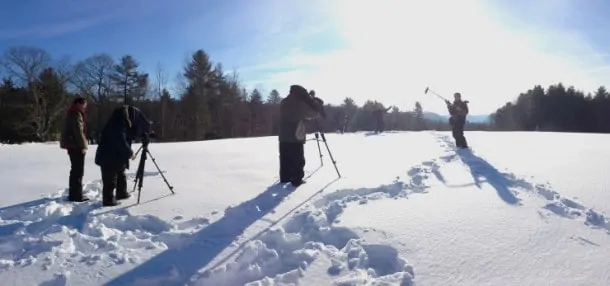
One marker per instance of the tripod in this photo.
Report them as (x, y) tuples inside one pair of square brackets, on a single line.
[(321, 134), (139, 180)]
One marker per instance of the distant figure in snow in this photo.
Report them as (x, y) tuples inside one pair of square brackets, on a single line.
[(341, 121), (458, 110), (378, 113), (298, 106), (73, 139)]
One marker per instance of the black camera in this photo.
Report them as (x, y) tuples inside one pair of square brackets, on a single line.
[(140, 125)]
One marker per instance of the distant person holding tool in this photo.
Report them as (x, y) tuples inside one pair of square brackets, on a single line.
[(458, 111)]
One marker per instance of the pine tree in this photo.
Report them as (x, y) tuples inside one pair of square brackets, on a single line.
[(257, 113), (198, 74), (274, 97), (420, 122), (132, 85)]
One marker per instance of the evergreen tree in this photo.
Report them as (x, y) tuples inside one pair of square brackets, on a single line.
[(131, 84), (198, 74), (420, 122)]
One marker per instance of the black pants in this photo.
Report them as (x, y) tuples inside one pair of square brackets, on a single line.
[(113, 178), (77, 170), (380, 127), (458, 135), (292, 162)]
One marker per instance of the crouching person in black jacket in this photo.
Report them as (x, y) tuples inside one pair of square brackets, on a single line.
[(113, 154)]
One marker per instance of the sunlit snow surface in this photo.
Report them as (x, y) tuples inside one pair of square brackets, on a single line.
[(519, 209)]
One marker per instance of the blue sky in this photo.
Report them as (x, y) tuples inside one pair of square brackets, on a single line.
[(383, 50)]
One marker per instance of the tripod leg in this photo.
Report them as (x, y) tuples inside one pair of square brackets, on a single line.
[(135, 180), (135, 183), (330, 154), (140, 174), (319, 150), (138, 151), (171, 188)]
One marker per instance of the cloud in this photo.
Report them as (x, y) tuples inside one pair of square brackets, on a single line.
[(394, 49), (48, 19), (53, 30)]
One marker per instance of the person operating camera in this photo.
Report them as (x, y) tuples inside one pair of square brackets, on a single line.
[(113, 154), (298, 106)]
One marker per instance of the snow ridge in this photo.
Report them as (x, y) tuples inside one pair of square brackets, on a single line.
[(53, 233), (282, 255)]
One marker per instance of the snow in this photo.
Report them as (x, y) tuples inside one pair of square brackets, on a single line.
[(519, 208)]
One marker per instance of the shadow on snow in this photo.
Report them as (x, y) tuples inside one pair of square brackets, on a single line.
[(479, 168), (176, 266)]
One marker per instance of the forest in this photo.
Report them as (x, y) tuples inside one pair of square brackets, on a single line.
[(211, 103), (557, 109)]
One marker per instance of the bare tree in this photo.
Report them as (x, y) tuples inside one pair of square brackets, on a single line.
[(64, 72), (161, 81), (92, 77), (26, 64)]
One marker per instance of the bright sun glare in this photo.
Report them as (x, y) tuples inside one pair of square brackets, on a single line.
[(398, 47)]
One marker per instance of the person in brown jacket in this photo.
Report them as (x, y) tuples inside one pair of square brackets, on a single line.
[(298, 106), (74, 140)]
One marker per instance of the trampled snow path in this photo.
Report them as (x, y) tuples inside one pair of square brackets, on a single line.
[(308, 240), (285, 253), (509, 185), (311, 238)]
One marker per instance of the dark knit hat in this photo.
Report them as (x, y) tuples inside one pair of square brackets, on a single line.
[(297, 89)]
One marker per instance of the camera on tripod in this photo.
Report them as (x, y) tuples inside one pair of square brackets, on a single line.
[(146, 138), (141, 127)]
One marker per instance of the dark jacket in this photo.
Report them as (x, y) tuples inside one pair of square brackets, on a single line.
[(379, 111), (458, 111), (73, 130), (294, 109), (114, 150)]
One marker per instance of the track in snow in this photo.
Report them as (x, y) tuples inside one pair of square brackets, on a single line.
[(509, 185)]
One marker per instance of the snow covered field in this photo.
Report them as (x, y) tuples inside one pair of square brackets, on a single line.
[(520, 209)]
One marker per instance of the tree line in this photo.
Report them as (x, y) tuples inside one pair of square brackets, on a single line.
[(208, 103), (557, 109), (211, 103)]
